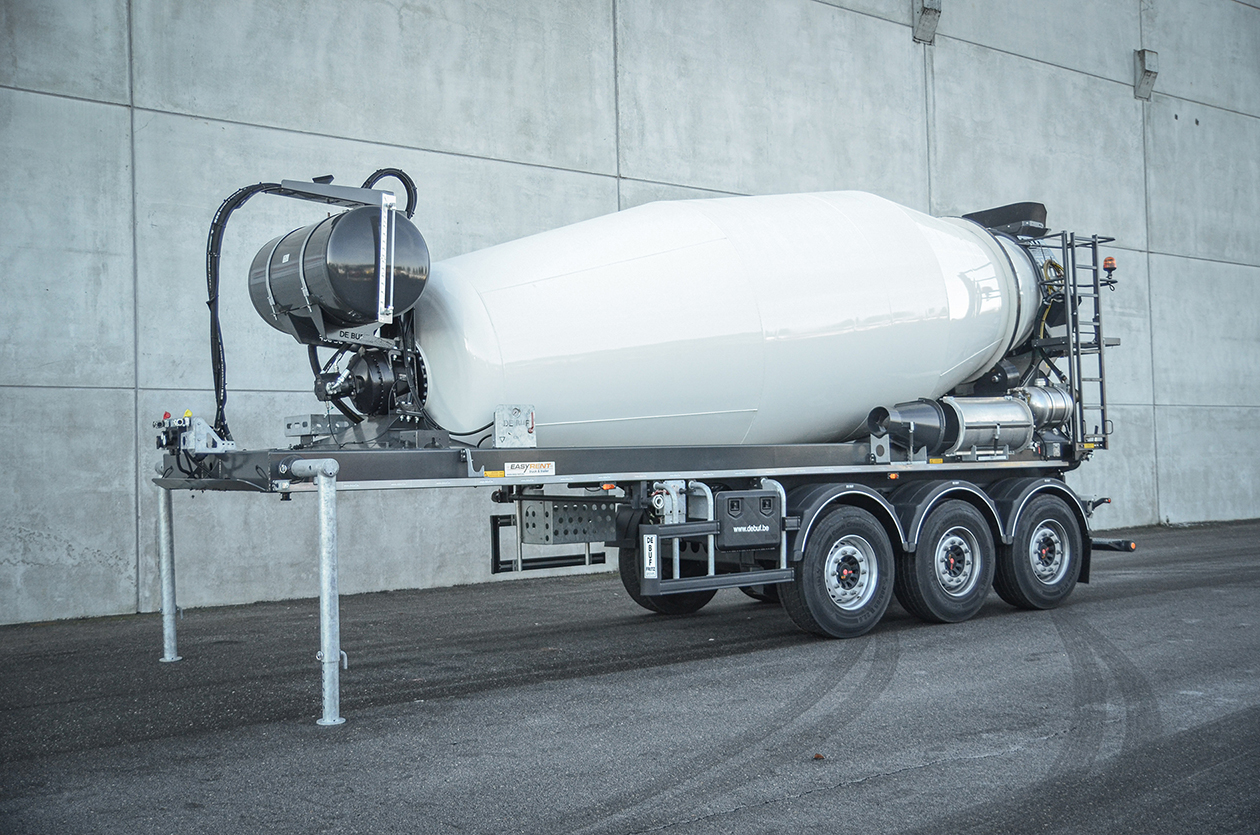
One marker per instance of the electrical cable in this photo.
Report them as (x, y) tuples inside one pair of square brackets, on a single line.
[(354, 417), (430, 419)]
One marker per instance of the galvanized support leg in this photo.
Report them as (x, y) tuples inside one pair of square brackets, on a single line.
[(166, 570), (330, 655)]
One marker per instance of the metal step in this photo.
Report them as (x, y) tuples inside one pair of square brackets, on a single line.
[(718, 581)]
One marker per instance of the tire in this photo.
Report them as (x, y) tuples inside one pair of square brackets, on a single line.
[(768, 593), (1039, 569), (947, 577), (845, 580), (630, 567)]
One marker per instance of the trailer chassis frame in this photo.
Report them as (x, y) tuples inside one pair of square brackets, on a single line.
[(328, 471)]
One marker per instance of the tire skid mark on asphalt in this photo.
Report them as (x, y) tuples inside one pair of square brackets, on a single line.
[(802, 739), (1136, 785), (785, 713), (1086, 647), (1143, 720), (1084, 734), (798, 736)]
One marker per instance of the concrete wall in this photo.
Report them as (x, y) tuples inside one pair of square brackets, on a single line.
[(124, 124)]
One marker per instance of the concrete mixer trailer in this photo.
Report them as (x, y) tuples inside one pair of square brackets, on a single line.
[(824, 400)]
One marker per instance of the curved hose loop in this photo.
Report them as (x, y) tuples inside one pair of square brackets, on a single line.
[(1047, 268), (401, 176), (312, 353)]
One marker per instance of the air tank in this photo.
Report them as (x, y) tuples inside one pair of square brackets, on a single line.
[(743, 320)]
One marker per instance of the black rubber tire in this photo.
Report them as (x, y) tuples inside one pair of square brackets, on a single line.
[(629, 565), (846, 539), (768, 593), (1052, 522), (948, 576)]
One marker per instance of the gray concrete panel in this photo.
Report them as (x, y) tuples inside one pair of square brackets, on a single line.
[(67, 503), (1207, 339), (756, 97), (893, 10), (1126, 314), (1083, 35), (1207, 463), (1203, 169), (1007, 129), (186, 167), (531, 82), (71, 47), (1209, 51), (636, 193), (65, 242), (1126, 472)]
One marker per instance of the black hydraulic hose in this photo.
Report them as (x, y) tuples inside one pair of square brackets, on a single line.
[(214, 243), (401, 176), (312, 354)]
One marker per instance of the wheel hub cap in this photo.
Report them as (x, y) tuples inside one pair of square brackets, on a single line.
[(955, 562), (1047, 553), (851, 572)]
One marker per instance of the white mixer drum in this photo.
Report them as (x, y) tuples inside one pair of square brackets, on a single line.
[(744, 320)]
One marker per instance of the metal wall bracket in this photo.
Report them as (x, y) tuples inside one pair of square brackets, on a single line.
[(927, 13), (1145, 68)]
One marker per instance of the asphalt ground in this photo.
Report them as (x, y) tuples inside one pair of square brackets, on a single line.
[(558, 706)]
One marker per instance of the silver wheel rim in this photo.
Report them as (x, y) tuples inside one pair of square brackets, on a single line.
[(956, 561), (851, 572), (1048, 552)]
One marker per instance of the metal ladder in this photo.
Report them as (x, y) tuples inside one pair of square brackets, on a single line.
[(1086, 377)]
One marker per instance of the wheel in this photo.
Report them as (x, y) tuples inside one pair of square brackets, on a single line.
[(845, 580), (762, 594), (1038, 570), (630, 566), (946, 579)]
